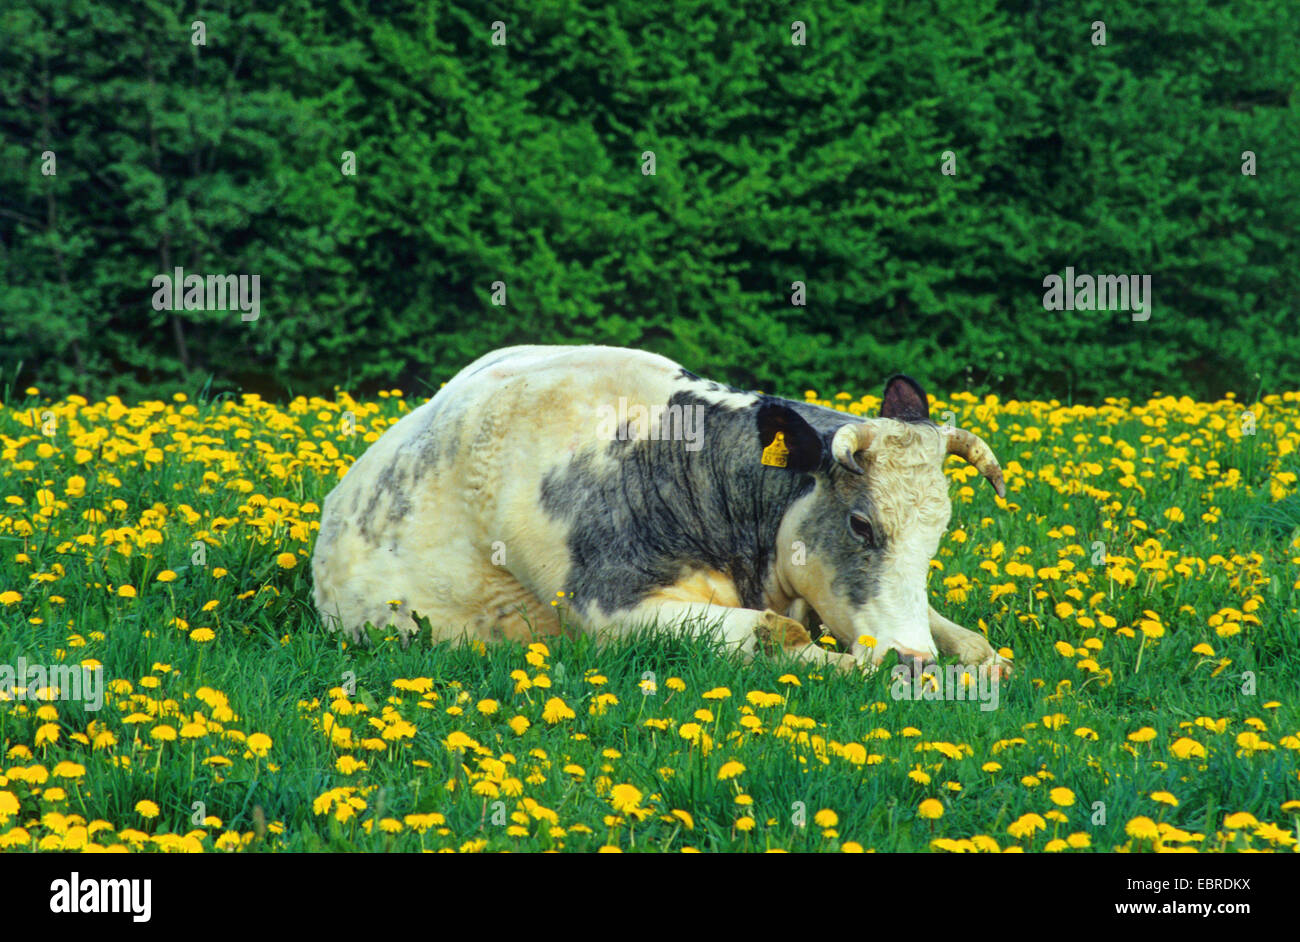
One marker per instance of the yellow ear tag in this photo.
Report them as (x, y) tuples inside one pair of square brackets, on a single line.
[(776, 454)]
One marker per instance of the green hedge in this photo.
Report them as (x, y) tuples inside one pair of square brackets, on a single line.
[(776, 163)]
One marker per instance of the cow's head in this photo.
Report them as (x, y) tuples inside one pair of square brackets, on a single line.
[(857, 547)]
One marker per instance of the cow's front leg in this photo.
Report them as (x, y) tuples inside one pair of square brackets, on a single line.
[(745, 631), (778, 634), (969, 647)]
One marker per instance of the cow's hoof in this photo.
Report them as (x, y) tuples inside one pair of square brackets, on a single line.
[(974, 649), (778, 633), (969, 648), (998, 666)]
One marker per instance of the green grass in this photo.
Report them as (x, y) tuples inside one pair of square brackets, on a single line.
[(281, 672)]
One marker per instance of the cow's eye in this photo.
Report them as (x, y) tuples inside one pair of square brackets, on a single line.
[(861, 528)]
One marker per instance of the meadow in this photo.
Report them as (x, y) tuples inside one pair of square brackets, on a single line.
[(1142, 573)]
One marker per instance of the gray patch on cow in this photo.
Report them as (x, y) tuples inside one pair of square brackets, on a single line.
[(390, 483), (439, 440), (635, 525), (828, 536)]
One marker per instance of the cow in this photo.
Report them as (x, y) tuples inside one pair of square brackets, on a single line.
[(557, 488)]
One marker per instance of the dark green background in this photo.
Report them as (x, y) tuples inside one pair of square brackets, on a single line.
[(776, 163)]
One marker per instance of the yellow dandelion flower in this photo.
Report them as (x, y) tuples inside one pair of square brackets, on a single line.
[(1142, 828), (730, 770), (556, 710), (826, 818), (931, 808)]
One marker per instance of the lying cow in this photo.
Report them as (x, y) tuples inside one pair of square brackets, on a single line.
[(630, 491)]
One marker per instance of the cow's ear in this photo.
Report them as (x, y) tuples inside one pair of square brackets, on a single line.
[(905, 400), (786, 440)]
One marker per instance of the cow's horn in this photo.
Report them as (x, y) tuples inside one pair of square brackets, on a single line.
[(974, 449), (848, 441)]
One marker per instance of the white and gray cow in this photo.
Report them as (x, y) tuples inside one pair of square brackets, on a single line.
[(647, 495)]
